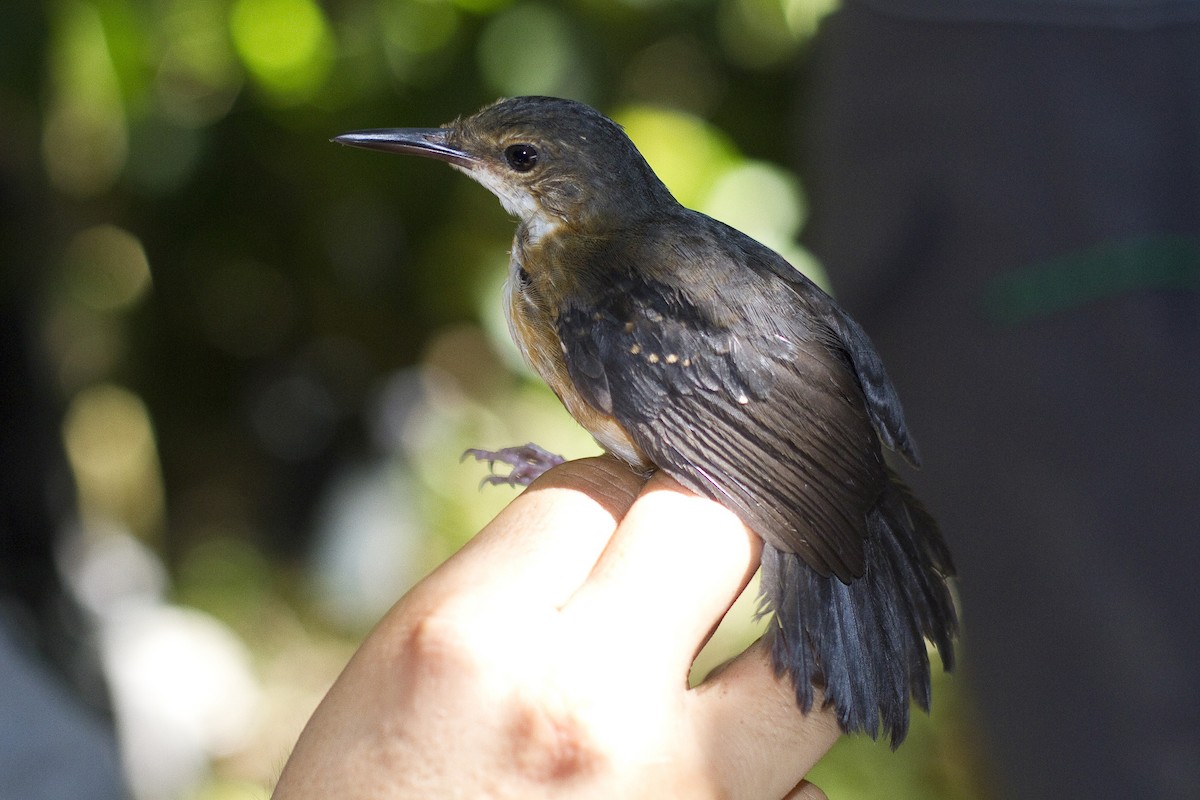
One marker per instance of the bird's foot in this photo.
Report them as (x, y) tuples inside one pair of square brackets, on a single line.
[(528, 461)]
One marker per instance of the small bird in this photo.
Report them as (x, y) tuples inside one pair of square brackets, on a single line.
[(683, 345)]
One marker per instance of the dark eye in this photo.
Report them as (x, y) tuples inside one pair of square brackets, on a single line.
[(521, 157)]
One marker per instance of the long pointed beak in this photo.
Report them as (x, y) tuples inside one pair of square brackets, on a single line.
[(427, 142)]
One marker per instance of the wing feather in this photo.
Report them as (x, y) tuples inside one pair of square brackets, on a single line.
[(769, 421)]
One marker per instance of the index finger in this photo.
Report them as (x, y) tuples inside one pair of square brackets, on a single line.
[(543, 544)]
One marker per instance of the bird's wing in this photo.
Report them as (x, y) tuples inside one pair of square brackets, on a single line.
[(764, 416), (883, 405)]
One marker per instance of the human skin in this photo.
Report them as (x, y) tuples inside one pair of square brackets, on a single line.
[(549, 658)]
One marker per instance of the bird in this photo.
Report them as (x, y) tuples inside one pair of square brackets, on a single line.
[(687, 347)]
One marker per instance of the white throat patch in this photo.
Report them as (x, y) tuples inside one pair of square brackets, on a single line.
[(516, 201)]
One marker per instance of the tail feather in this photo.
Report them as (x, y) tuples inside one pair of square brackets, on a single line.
[(863, 643)]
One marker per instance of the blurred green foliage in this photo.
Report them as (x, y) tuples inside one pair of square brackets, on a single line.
[(253, 331)]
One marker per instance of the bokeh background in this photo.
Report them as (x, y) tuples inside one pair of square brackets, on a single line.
[(240, 363)]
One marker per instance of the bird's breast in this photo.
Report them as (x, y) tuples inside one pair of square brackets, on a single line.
[(533, 323)]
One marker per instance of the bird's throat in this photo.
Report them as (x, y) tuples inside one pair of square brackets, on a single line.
[(535, 222)]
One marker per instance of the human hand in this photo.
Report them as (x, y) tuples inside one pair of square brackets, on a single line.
[(549, 658)]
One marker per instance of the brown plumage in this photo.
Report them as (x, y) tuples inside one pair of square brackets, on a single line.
[(683, 345)]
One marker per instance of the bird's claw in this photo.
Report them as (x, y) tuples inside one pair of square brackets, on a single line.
[(527, 462)]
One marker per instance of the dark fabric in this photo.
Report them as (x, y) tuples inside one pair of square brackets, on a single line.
[(1013, 214), (1075, 13)]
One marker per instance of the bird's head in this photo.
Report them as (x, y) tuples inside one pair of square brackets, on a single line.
[(551, 162)]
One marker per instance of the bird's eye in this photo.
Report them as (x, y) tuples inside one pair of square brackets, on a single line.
[(521, 157)]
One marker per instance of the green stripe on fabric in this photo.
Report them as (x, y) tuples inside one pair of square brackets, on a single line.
[(1077, 279)]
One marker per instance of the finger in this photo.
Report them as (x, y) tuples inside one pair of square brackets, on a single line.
[(672, 569), (542, 546), (757, 740), (806, 791)]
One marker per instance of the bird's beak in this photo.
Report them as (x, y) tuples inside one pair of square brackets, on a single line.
[(427, 142)]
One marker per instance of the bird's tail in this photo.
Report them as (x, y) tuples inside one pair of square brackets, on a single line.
[(863, 643)]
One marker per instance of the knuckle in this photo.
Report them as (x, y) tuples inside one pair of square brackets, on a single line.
[(550, 746), (447, 639), (459, 650)]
